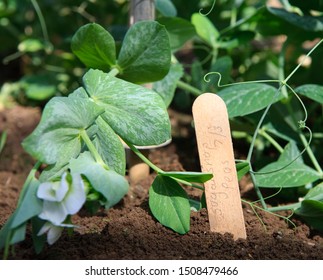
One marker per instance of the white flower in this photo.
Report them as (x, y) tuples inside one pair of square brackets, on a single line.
[(53, 232), (60, 199)]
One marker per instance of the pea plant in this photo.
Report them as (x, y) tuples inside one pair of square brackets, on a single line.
[(277, 114), (79, 138)]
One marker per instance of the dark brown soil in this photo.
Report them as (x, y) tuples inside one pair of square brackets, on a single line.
[(128, 231)]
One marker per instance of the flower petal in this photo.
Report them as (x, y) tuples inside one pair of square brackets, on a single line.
[(47, 191), (44, 228), (76, 196), (62, 188), (55, 212), (54, 234)]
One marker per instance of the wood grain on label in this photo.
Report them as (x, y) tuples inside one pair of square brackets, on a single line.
[(216, 156)]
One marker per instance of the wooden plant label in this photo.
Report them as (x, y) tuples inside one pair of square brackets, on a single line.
[(216, 156)]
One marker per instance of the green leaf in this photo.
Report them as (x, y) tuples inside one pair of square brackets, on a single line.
[(305, 22), (195, 177), (169, 204), (291, 152), (167, 86), (109, 183), (315, 193), (205, 29), (39, 87), (166, 7), (293, 175), (242, 169), (311, 208), (179, 31), (30, 205), (31, 45), (3, 140), (135, 113), (109, 147), (312, 212), (38, 241), (145, 54), (94, 46), (245, 99), (314, 92), (56, 138)]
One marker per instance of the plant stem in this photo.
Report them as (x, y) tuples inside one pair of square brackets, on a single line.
[(263, 133), (285, 207), (41, 19), (305, 143), (156, 168), (114, 72), (311, 154), (260, 124), (257, 189), (300, 64), (92, 149), (189, 88)]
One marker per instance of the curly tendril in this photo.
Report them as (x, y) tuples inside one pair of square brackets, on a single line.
[(208, 11)]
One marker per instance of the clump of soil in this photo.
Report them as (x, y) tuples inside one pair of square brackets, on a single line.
[(129, 231)]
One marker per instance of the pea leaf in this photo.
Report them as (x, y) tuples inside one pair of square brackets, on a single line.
[(30, 205), (314, 92), (56, 138), (195, 177), (39, 87), (293, 175), (167, 86), (179, 31), (306, 22), (94, 46), (166, 7), (145, 53), (109, 146), (315, 193), (135, 113), (169, 204), (205, 29), (312, 212), (109, 183), (245, 99), (242, 169)]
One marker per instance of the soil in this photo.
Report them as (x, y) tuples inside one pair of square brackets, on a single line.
[(129, 231)]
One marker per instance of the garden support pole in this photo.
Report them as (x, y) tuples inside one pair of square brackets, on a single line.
[(139, 10)]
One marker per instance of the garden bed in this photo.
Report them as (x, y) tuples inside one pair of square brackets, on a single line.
[(129, 231)]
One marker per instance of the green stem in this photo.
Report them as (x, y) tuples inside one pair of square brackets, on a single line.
[(41, 19), (285, 207), (263, 133), (305, 143), (260, 124), (311, 154), (156, 168), (114, 72), (189, 88), (300, 64), (281, 67), (257, 189), (92, 149)]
